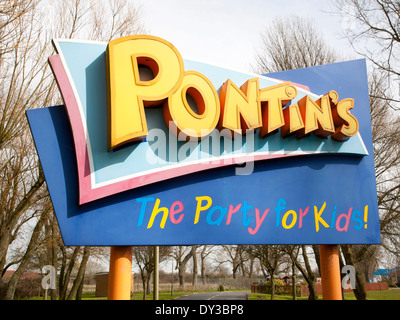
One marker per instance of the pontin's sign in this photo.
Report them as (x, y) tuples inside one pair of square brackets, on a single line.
[(153, 149)]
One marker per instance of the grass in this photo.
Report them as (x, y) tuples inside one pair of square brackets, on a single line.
[(391, 294), (139, 295), (262, 296), (161, 295)]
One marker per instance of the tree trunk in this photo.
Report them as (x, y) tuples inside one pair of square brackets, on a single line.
[(194, 267), (65, 277), (235, 268), (61, 276), (148, 286), (80, 290), (80, 275), (272, 285), (202, 266), (144, 280), (251, 268), (359, 290), (315, 248), (30, 198), (311, 282), (181, 280), (313, 293), (2, 265), (12, 284), (182, 268), (307, 273)]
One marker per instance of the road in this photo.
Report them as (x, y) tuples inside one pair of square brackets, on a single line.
[(224, 295)]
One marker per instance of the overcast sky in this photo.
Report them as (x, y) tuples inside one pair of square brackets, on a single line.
[(227, 32)]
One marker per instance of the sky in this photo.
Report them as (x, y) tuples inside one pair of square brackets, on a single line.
[(227, 32)]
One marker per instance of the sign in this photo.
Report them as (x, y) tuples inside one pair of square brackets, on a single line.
[(154, 149)]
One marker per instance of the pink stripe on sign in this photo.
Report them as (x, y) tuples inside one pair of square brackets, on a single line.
[(76, 122)]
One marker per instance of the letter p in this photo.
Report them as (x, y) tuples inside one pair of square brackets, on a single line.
[(200, 207), (128, 93)]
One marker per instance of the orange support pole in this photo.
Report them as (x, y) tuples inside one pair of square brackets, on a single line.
[(120, 275), (330, 272)]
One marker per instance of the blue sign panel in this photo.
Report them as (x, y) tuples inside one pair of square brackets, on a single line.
[(307, 191)]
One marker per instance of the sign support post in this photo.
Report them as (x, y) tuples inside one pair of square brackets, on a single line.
[(120, 274), (330, 272)]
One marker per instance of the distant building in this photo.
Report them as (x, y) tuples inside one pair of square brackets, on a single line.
[(287, 279), (30, 275)]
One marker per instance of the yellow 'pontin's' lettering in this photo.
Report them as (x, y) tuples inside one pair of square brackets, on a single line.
[(178, 112), (293, 120), (273, 99), (238, 110), (346, 124), (128, 94), (317, 115)]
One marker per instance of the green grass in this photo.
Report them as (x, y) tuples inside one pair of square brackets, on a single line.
[(262, 296), (139, 295), (391, 294), (161, 295)]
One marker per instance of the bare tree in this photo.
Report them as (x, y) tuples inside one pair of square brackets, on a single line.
[(303, 264), (23, 85), (144, 259), (386, 142), (96, 20), (271, 257), (372, 28), (114, 19), (26, 81), (182, 255), (236, 256), (78, 283), (10, 12), (33, 243), (195, 270), (385, 135), (291, 43), (206, 250)]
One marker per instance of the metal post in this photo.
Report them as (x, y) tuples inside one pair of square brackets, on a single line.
[(120, 275), (156, 277), (172, 278), (330, 272)]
